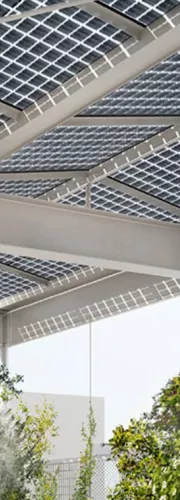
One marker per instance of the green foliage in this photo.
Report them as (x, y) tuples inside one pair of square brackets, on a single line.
[(87, 461), (47, 487), (24, 442), (165, 412), (147, 453), (8, 384)]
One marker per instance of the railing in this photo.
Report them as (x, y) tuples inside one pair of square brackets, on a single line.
[(105, 477)]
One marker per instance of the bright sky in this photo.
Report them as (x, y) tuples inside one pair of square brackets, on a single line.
[(133, 356)]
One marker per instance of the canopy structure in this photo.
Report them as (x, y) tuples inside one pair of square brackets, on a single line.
[(89, 161)]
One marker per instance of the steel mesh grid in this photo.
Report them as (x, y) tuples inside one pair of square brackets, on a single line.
[(168, 288), (81, 148), (37, 54), (158, 174), (144, 11), (114, 200), (47, 269), (28, 188), (155, 92), (105, 476)]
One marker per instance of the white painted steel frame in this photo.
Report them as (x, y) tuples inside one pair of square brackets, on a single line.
[(87, 89), (40, 175), (77, 235), (123, 121)]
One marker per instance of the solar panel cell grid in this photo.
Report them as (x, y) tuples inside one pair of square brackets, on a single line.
[(72, 148), (158, 175), (68, 39), (155, 92)]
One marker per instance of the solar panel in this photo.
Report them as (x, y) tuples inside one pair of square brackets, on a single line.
[(37, 54), (28, 188), (72, 148), (158, 175), (155, 92), (11, 284), (44, 268), (114, 200), (144, 11)]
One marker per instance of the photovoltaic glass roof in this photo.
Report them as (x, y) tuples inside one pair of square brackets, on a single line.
[(36, 56), (158, 175), (75, 148), (155, 92), (114, 200), (141, 10)]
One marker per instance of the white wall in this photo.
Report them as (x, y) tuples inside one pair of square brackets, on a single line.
[(71, 412)]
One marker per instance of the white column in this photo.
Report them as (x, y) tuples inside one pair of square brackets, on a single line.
[(4, 339)]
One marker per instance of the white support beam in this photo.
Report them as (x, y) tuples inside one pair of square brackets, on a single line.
[(5, 268), (113, 17), (141, 195), (10, 111), (76, 298), (119, 162), (93, 85), (43, 10), (123, 121), (62, 175), (77, 235)]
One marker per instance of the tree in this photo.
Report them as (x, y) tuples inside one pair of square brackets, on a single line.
[(87, 461), (24, 441), (147, 453)]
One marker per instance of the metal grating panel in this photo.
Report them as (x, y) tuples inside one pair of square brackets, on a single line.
[(111, 200), (28, 188), (156, 92), (158, 175), (37, 54), (144, 11), (168, 288), (11, 284), (75, 148), (44, 268)]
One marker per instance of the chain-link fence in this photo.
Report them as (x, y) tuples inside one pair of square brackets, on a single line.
[(105, 477)]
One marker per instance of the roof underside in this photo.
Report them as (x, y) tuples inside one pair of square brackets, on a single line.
[(115, 149)]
